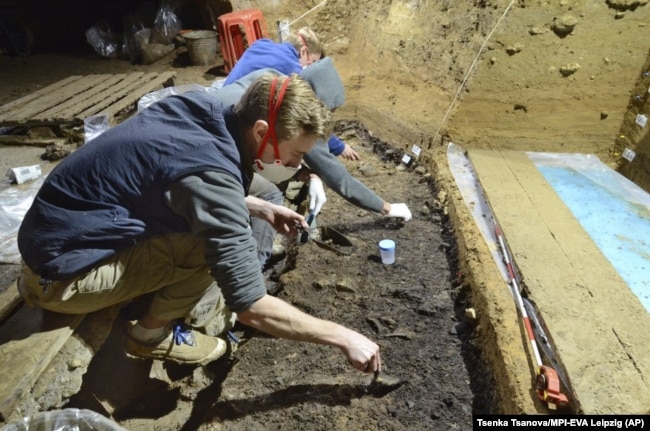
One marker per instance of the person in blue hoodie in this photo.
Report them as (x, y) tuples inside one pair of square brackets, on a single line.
[(159, 205), (301, 49)]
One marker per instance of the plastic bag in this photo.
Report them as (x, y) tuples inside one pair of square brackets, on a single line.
[(95, 125), (155, 51), (14, 204), (132, 46), (103, 40), (166, 24), (157, 95), (64, 420), (218, 83)]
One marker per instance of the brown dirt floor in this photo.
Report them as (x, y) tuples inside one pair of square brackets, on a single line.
[(413, 308), (400, 85)]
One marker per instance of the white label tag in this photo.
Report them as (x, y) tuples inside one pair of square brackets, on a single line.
[(283, 30), (416, 150), (23, 174), (641, 120), (628, 154), (406, 159)]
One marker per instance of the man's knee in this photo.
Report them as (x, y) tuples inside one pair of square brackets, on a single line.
[(28, 284), (49, 295)]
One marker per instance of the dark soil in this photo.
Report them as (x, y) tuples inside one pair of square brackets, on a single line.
[(414, 309)]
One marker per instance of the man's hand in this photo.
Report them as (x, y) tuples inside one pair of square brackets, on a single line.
[(399, 211), (317, 196), (287, 221), (283, 220), (362, 353), (349, 153), (281, 319)]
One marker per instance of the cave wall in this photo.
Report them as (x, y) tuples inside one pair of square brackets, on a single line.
[(401, 61), (635, 137), (486, 74)]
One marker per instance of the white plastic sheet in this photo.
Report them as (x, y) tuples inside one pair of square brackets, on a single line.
[(157, 95), (64, 420), (14, 203), (469, 187)]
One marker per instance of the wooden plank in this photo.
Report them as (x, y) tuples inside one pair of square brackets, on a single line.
[(31, 140), (132, 98), (73, 99), (80, 102), (37, 94), (98, 102), (28, 342), (9, 301), (52, 99), (104, 100), (600, 329)]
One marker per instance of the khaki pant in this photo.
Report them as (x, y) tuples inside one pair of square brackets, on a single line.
[(171, 265)]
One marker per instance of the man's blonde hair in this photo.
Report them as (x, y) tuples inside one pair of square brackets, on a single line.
[(312, 40), (301, 111)]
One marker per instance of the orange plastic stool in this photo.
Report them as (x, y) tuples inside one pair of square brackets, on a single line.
[(237, 30)]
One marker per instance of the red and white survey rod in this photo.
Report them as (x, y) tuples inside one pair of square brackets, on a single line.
[(517, 294), (547, 381)]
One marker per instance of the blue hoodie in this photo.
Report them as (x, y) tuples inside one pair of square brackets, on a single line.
[(266, 54)]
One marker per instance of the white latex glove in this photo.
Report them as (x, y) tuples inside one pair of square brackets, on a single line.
[(400, 210), (316, 195)]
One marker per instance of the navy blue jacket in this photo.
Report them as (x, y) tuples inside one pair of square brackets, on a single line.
[(109, 194)]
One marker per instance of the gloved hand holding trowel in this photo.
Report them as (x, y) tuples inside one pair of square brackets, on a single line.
[(317, 196)]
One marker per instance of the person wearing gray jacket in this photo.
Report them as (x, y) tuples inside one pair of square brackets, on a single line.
[(321, 164)]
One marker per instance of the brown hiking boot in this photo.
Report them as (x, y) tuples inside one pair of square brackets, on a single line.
[(182, 346)]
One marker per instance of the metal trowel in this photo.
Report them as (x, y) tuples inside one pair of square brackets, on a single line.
[(306, 234), (382, 384), (325, 237)]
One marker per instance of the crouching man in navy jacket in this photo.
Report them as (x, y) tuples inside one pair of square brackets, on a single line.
[(158, 204)]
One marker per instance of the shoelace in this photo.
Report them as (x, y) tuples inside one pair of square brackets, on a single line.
[(183, 334)]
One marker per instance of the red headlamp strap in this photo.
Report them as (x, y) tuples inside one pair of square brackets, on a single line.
[(304, 41), (274, 108)]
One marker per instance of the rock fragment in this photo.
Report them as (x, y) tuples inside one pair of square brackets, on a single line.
[(569, 69), (564, 25)]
